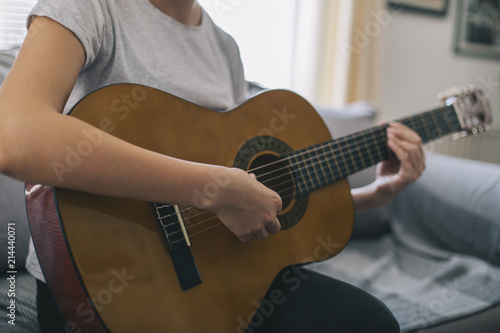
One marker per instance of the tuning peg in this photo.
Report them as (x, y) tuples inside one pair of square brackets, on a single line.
[(447, 93), (466, 90), (482, 128), (459, 135)]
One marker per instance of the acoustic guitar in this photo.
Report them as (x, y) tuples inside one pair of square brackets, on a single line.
[(131, 266)]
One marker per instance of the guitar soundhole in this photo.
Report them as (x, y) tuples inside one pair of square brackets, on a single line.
[(275, 174), (265, 157)]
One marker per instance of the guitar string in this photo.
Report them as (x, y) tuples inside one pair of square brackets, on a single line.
[(369, 132), (219, 223), (206, 229), (344, 151), (332, 153), (292, 188), (428, 118), (283, 196)]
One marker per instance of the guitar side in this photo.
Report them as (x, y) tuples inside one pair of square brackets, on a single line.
[(117, 253)]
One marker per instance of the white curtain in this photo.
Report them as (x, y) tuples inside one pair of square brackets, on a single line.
[(13, 15), (337, 50)]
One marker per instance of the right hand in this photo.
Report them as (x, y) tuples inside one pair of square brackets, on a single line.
[(247, 207)]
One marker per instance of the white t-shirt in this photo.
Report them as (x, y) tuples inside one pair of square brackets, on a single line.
[(132, 41)]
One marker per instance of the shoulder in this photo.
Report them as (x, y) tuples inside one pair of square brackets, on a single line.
[(225, 39), (86, 19)]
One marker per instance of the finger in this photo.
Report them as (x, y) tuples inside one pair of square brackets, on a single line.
[(411, 168), (274, 227), (245, 238), (406, 168), (404, 133), (414, 154), (398, 150), (410, 147), (261, 234)]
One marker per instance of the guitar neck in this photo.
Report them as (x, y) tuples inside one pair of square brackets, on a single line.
[(328, 162)]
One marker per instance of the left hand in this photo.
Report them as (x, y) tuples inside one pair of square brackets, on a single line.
[(395, 174)]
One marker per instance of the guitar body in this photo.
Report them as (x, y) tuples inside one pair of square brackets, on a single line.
[(105, 258)]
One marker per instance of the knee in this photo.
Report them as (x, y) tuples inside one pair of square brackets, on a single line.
[(379, 318)]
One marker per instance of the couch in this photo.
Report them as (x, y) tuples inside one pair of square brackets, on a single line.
[(423, 222)]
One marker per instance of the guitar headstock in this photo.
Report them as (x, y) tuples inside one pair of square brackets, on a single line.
[(472, 108)]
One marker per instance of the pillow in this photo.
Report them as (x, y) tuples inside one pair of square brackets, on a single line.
[(12, 206), (7, 58), (13, 211)]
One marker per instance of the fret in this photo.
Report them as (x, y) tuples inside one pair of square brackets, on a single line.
[(341, 155), (424, 125), (450, 128), (365, 144), (443, 126), (353, 161), (335, 161), (380, 156), (375, 146), (324, 171), (429, 125), (306, 167), (300, 179), (383, 135), (356, 153), (298, 176), (436, 124), (450, 113), (362, 151), (412, 125), (314, 166), (331, 176)]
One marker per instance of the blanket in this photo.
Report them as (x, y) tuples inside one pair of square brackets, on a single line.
[(441, 259)]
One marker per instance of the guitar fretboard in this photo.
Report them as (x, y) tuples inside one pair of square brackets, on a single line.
[(326, 163)]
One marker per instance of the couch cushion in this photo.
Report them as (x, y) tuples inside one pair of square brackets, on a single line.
[(439, 260), (12, 207), (13, 210)]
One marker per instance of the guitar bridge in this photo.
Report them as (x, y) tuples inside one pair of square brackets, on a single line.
[(178, 243)]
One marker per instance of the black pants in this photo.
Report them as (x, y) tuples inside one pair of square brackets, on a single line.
[(298, 301)]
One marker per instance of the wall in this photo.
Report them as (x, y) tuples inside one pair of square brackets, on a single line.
[(419, 61)]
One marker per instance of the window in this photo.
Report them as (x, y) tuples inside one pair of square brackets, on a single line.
[(13, 15), (264, 31)]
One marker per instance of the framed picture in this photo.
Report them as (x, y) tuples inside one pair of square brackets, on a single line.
[(477, 30), (435, 7)]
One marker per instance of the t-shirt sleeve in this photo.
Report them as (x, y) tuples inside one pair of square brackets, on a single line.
[(86, 19), (240, 85)]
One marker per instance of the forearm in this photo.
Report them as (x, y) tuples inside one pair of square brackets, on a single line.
[(59, 150), (51, 152)]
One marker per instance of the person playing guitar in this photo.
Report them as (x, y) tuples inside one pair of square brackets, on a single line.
[(73, 48)]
